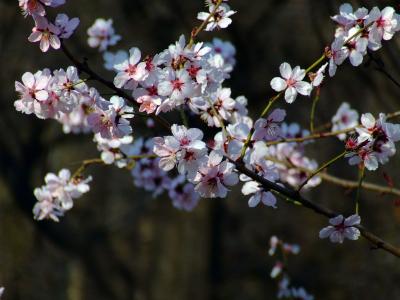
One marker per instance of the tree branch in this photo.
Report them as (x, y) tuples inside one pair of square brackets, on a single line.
[(317, 208)]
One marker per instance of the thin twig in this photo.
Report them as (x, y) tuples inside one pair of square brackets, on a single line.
[(348, 184), (197, 30)]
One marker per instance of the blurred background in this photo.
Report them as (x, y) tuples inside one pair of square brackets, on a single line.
[(120, 243)]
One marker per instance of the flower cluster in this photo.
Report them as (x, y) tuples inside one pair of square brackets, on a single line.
[(185, 149), (63, 96), (359, 31), (48, 33), (345, 118), (181, 74), (148, 175), (56, 197), (218, 16), (374, 143), (102, 34), (292, 162)]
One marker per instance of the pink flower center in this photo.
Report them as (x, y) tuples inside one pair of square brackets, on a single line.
[(177, 84), (290, 81), (131, 69), (185, 141), (341, 227), (345, 119), (152, 90), (381, 22)]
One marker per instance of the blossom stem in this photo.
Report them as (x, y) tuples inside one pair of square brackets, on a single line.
[(270, 103), (86, 163), (184, 117), (361, 177), (324, 166), (313, 108), (197, 30), (314, 136), (98, 161), (316, 63)]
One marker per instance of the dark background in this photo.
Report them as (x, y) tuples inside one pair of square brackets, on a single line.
[(118, 242)]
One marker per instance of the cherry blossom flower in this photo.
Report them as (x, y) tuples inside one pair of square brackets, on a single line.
[(213, 179), (375, 142), (166, 148), (66, 26), (76, 120), (317, 78), (185, 147), (341, 228), (176, 86), (110, 149), (347, 18), (226, 50), (223, 104), (146, 172), (231, 141), (56, 197), (269, 129), (111, 59), (111, 119), (130, 71), (337, 54), (385, 24), (67, 86), (258, 195), (1, 291), (357, 46), (37, 7), (102, 34), (291, 82), (220, 19), (45, 32), (32, 92), (344, 118), (183, 195)]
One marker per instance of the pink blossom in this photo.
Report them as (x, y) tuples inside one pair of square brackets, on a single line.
[(66, 26), (220, 19), (102, 34), (130, 71), (213, 179), (45, 32), (32, 92), (341, 228), (291, 82)]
